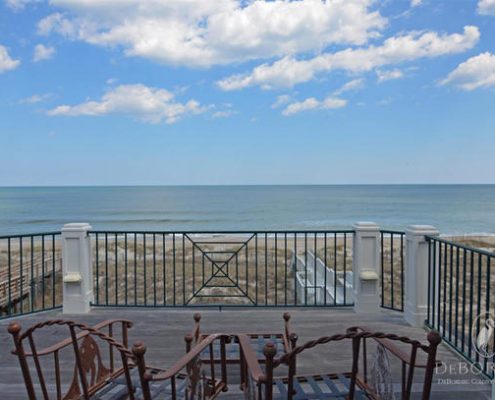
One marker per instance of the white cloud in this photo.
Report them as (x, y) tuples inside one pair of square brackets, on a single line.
[(476, 72), (312, 104), (486, 7), (18, 5), (416, 3), (351, 85), (223, 113), (6, 61), (35, 98), (201, 33), (145, 103), (290, 71), (389, 75), (42, 53), (281, 100)]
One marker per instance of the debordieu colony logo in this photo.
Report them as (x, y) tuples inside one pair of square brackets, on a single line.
[(483, 343)]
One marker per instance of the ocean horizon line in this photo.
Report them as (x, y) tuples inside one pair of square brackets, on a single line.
[(243, 185)]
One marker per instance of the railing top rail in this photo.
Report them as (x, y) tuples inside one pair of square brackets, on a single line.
[(30, 235), (226, 232), (460, 245)]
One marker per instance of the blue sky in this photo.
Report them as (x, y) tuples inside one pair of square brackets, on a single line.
[(246, 92)]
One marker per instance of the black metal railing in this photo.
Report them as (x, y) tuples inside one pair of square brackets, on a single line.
[(30, 273), (392, 250), (269, 268), (460, 300)]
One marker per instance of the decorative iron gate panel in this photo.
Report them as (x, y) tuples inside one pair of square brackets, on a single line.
[(177, 269)]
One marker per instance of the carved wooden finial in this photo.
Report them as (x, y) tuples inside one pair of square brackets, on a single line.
[(14, 328), (270, 350), (188, 338), (434, 337), (139, 349)]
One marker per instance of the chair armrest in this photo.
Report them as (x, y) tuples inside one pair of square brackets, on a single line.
[(391, 347), (250, 358), (66, 342), (186, 359)]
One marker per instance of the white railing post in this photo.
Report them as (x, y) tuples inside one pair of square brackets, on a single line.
[(416, 274), (366, 267), (77, 268)]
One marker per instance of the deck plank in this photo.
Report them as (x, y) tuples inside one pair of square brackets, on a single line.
[(163, 330)]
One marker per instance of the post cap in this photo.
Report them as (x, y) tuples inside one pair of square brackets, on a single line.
[(76, 227), (422, 230), (366, 226)]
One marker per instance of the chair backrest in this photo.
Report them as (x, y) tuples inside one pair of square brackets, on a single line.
[(409, 355), (356, 337), (289, 337), (200, 383), (96, 356)]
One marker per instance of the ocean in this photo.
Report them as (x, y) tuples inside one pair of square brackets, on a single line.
[(453, 209)]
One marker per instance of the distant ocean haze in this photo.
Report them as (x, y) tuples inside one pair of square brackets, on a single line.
[(453, 209)]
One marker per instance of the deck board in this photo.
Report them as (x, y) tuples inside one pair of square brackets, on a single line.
[(163, 330)]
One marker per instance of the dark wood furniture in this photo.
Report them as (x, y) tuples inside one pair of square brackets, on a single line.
[(284, 340), (93, 359), (259, 383), (100, 367)]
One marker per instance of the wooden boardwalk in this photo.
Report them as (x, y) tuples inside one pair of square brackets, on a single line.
[(163, 330), (24, 281)]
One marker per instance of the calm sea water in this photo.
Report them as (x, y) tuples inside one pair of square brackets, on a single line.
[(453, 209)]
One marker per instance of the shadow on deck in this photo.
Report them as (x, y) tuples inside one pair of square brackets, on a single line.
[(163, 330)]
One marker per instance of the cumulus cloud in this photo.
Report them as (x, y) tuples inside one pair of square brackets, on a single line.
[(281, 100), (223, 113), (476, 72), (312, 104), (35, 98), (148, 104), (199, 33), (289, 71), (486, 7), (416, 3), (389, 75), (351, 85), (7, 63), (18, 5), (42, 53)]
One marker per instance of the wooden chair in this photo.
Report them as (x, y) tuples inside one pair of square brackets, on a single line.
[(187, 378), (409, 361), (114, 375), (95, 372), (284, 342), (259, 384)]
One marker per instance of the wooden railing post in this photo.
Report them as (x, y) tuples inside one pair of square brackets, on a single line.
[(77, 268)]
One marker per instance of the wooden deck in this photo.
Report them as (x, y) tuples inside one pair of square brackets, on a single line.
[(163, 330)]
